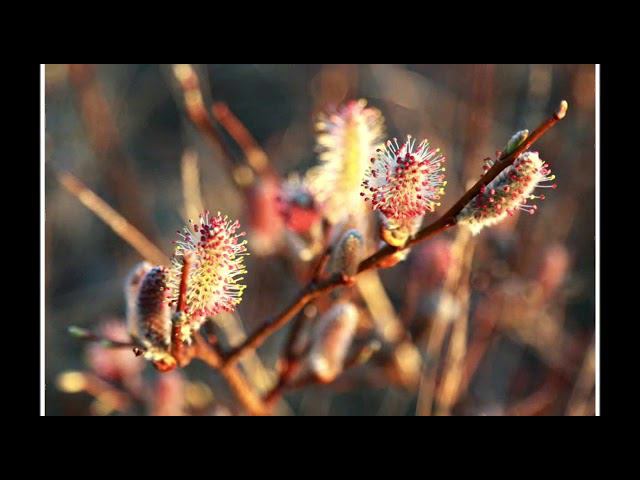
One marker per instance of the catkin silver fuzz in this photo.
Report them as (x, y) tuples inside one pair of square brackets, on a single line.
[(131, 289), (347, 253), (508, 192), (331, 340), (153, 310)]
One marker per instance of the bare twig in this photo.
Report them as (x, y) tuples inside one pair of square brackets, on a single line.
[(104, 137), (113, 219), (105, 342), (256, 156), (252, 403), (197, 112), (284, 385)]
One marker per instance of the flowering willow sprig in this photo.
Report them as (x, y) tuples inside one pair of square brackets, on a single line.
[(509, 191), (153, 311), (149, 314), (347, 253), (216, 265), (346, 139), (404, 183)]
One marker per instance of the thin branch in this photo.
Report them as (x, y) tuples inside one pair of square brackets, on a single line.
[(255, 155), (99, 122), (197, 112), (313, 290), (309, 293), (113, 219), (184, 276), (88, 336), (251, 402), (284, 385)]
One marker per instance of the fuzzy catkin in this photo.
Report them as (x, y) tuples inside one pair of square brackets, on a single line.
[(153, 311), (331, 340), (347, 253), (509, 191)]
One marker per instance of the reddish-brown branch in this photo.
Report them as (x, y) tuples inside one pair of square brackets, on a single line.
[(102, 130), (242, 390), (284, 385), (256, 156), (112, 218), (310, 292), (313, 290), (179, 349), (197, 112)]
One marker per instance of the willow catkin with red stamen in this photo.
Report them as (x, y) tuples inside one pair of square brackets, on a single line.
[(508, 192), (213, 281), (297, 206), (403, 183)]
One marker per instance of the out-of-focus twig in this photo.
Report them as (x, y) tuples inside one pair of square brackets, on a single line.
[(107, 397), (197, 111), (113, 219), (257, 373), (357, 358), (461, 254), (582, 402), (191, 193), (537, 403), (242, 175), (89, 336), (105, 140)]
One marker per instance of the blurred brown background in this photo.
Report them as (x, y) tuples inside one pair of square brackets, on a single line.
[(532, 280)]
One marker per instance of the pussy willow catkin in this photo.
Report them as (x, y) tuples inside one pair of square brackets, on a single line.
[(346, 140), (217, 254), (511, 190)]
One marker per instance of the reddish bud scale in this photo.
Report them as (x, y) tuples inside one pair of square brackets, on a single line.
[(297, 206)]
